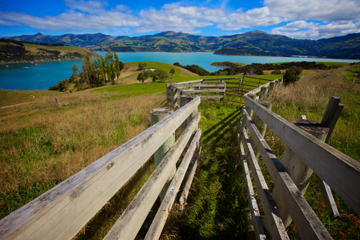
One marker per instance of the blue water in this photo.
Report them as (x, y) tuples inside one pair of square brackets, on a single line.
[(43, 75)]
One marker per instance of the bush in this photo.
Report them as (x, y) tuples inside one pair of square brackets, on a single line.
[(292, 75), (141, 66), (159, 74), (276, 72), (197, 69)]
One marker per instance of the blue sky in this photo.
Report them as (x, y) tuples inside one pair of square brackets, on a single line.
[(295, 18)]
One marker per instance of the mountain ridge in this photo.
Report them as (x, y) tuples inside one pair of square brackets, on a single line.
[(256, 43)]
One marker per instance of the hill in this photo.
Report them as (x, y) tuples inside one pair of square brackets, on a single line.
[(12, 51), (256, 43)]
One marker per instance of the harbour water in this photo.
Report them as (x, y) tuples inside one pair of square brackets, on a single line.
[(45, 74)]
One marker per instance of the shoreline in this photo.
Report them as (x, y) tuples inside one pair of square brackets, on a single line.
[(43, 60)]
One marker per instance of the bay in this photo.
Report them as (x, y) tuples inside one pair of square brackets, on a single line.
[(45, 74)]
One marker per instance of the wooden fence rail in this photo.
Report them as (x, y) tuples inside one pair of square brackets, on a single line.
[(64, 210), (338, 170)]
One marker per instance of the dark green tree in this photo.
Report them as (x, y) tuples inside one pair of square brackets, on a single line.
[(74, 77), (141, 66), (172, 71), (142, 76), (291, 75)]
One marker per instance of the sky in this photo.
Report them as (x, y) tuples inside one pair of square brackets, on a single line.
[(309, 19)]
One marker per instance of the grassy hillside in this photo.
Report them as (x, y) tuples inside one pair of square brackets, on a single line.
[(250, 43), (310, 96), (17, 51)]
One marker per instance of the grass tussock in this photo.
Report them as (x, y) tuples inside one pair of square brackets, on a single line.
[(310, 96), (42, 143)]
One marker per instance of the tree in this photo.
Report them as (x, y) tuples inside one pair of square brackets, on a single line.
[(172, 71), (159, 74), (292, 75), (118, 65), (63, 85), (85, 70), (142, 76), (75, 74), (141, 66), (276, 72)]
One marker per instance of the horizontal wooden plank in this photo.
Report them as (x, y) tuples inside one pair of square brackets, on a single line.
[(305, 219), (254, 208), (338, 170), (212, 97), (274, 223), (162, 213), (205, 91), (187, 82), (131, 220), (221, 79), (61, 212), (258, 78), (189, 178)]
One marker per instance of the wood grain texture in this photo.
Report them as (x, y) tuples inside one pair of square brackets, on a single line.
[(338, 170), (273, 222), (131, 220), (254, 208), (305, 219), (61, 212), (159, 220)]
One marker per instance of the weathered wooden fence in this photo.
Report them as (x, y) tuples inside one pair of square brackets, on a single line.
[(64, 210), (306, 152), (228, 89)]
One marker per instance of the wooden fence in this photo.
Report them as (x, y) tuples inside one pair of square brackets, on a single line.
[(65, 209), (304, 154), (228, 89)]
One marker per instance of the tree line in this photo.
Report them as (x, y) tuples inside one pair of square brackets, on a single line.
[(95, 73)]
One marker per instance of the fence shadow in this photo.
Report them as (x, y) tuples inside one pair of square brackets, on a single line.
[(217, 205)]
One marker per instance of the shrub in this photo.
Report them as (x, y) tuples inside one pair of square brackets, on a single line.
[(276, 72), (292, 75), (141, 66)]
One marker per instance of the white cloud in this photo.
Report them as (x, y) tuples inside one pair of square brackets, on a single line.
[(254, 17), (74, 20), (303, 29), (325, 10), (304, 18), (86, 6)]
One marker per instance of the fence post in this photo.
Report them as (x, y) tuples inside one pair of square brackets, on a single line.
[(329, 120), (157, 115), (263, 93), (271, 87), (297, 169)]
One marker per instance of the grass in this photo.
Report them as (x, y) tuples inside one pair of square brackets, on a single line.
[(41, 144), (136, 89), (310, 96), (217, 207)]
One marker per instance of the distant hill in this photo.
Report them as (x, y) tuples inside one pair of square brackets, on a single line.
[(256, 43), (13, 51)]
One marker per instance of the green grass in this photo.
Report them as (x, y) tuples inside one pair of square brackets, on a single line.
[(137, 89), (217, 206), (352, 72), (310, 96)]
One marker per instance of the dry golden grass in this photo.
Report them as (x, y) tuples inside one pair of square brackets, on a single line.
[(43, 143), (310, 96), (312, 92)]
